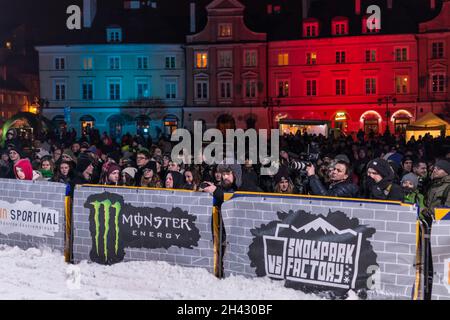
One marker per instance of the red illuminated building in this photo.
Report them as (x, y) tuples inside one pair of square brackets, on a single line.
[(326, 67)]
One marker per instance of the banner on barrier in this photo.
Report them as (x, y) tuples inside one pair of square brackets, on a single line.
[(321, 246), (440, 249), (116, 225), (28, 218), (313, 250)]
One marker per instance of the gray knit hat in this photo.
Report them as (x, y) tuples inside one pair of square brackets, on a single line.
[(412, 178), (444, 165)]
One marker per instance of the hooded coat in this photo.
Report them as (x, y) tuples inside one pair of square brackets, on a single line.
[(26, 167)]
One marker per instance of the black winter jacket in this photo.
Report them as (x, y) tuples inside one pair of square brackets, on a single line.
[(342, 189)]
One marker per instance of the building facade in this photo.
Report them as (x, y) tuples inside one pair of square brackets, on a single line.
[(116, 88), (226, 70)]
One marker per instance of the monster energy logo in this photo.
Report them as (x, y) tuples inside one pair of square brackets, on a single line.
[(107, 205), (115, 225)]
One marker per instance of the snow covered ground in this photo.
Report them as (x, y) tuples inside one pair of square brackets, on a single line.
[(43, 274)]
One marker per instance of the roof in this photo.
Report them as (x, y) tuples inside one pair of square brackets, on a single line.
[(430, 120), (12, 85)]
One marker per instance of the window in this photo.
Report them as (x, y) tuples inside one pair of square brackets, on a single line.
[(114, 35), (87, 89), (438, 84), (201, 89), (341, 87), (283, 59), (201, 60), (171, 89), (371, 86), (437, 50), (310, 30), (340, 28), (311, 58), (170, 62), (142, 88), (88, 63), (114, 89), (251, 58), (225, 89), (340, 57), (401, 54), (60, 63), (114, 63), (371, 55), (225, 30), (225, 59), (283, 88), (251, 89), (59, 90), (402, 84), (311, 88), (142, 63)]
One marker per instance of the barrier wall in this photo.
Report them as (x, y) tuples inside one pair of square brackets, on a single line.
[(32, 214), (122, 224), (440, 248), (320, 245)]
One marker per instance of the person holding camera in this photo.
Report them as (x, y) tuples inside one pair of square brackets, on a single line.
[(340, 185)]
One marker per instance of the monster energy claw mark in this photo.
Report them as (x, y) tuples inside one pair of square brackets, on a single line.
[(107, 204)]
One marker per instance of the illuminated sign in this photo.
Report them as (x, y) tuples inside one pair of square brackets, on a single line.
[(340, 116)]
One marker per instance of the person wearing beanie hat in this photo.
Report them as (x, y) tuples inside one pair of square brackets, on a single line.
[(83, 170), (23, 170), (149, 178), (128, 175), (113, 175), (439, 191), (410, 183), (283, 182), (381, 181)]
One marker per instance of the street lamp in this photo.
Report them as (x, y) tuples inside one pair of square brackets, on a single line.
[(269, 103), (387, 100)]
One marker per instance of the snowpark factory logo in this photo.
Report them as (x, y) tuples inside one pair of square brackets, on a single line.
[(315, 254), (116, 225)]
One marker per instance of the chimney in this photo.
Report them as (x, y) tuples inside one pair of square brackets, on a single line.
[(389, 4), (432, 4), (89, 11), (358, 7), (305, 8), (193, 18)]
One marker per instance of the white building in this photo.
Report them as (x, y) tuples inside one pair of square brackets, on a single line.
[(122, 72), (117, 88)]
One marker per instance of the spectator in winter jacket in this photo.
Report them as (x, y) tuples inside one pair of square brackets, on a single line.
[(150, 179), (420, 169), (47, 168), (64, 173), (128, 175), (439, 191), (23, 170), (112, 175), (340, 184), (412, 195), (381, 181)]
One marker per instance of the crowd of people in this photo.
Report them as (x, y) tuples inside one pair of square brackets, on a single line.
[(384, 167)]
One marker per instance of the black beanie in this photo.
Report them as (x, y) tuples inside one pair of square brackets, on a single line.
[(283, 172), (382, 167), (83, 162)]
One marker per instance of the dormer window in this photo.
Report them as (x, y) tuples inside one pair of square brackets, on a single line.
[(311, 28), (114, 34), (340, 26), (370, 26)]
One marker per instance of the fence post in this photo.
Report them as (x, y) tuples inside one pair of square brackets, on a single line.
[(68, 252)]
